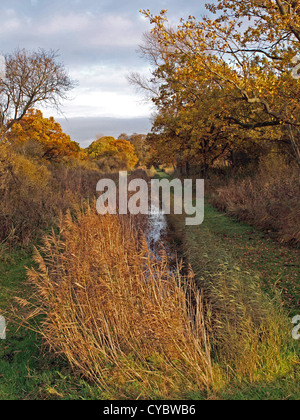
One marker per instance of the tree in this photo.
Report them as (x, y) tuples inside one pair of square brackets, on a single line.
[(247, 72), (109, 147), (33, 129), (140, 146), (31, 78)]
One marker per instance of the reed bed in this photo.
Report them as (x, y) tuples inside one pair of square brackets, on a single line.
[(117, 313)]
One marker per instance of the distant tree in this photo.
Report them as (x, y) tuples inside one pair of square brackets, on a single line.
[(141, 147), (108, 147), (103, 147), (123, 136), (31, 78), (43, 136)]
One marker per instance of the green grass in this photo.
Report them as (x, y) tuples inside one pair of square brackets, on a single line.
[(277, 265), (25, 371), (280, 390), (223, 247)]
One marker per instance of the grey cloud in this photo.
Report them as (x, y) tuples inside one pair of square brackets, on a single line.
[(98, 42), (86, 130), (91, 29)]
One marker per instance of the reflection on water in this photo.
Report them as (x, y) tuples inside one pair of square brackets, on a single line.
[(157, 226)]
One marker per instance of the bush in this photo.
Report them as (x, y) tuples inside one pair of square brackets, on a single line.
[(25, 191), (269, 199), (33, 193)]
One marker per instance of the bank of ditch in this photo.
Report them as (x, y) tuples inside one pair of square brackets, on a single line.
[(250, 286)]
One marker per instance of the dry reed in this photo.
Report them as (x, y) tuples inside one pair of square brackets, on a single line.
[(119, 316), (269, 199)]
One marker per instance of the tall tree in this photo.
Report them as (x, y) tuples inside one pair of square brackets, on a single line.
[(248, 67), (31, 78)]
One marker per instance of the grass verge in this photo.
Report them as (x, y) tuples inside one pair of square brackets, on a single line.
[(27, 373), (251, 289)]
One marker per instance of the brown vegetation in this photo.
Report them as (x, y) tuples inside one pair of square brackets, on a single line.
[(118, 315), (34, 192), (269, 199)]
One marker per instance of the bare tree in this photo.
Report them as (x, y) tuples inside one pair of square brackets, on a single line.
[(31, 78)]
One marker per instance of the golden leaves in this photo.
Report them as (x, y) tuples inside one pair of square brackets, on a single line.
[(44, 131)]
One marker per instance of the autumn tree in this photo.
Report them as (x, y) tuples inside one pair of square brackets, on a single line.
[(31, 78), (108, 147), (140, 146), (42, 137), (248, 72), (272, 41)]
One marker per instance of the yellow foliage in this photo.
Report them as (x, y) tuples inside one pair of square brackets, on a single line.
[(45, 132), (107, 147), (219, 78)]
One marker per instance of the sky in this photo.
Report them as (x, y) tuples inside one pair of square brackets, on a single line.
[(98, 43)]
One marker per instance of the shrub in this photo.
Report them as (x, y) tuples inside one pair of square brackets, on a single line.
[(25, 193), (34, 192), (269, 199)]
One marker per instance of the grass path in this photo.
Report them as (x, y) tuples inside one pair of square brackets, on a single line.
[(274, 267), (277, 265)]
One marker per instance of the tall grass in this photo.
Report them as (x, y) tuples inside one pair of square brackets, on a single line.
[(120, 317), (269, 199), (249, 333)]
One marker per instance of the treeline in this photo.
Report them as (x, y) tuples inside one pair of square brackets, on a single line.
[(43, 172), (226, 91), (42, 138)]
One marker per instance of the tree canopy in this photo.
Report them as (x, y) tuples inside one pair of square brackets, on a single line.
[(107, 147), (222, 83)]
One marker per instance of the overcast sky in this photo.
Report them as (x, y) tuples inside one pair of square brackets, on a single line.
[(98, 43)]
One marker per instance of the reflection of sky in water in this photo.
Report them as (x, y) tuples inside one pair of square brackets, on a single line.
[(157, 225)]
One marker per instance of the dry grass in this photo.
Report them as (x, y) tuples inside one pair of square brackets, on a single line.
[(117, 314), (33, 193), (269, 199)]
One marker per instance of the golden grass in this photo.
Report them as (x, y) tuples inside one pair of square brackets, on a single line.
[(269, 199), (119, 316)]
